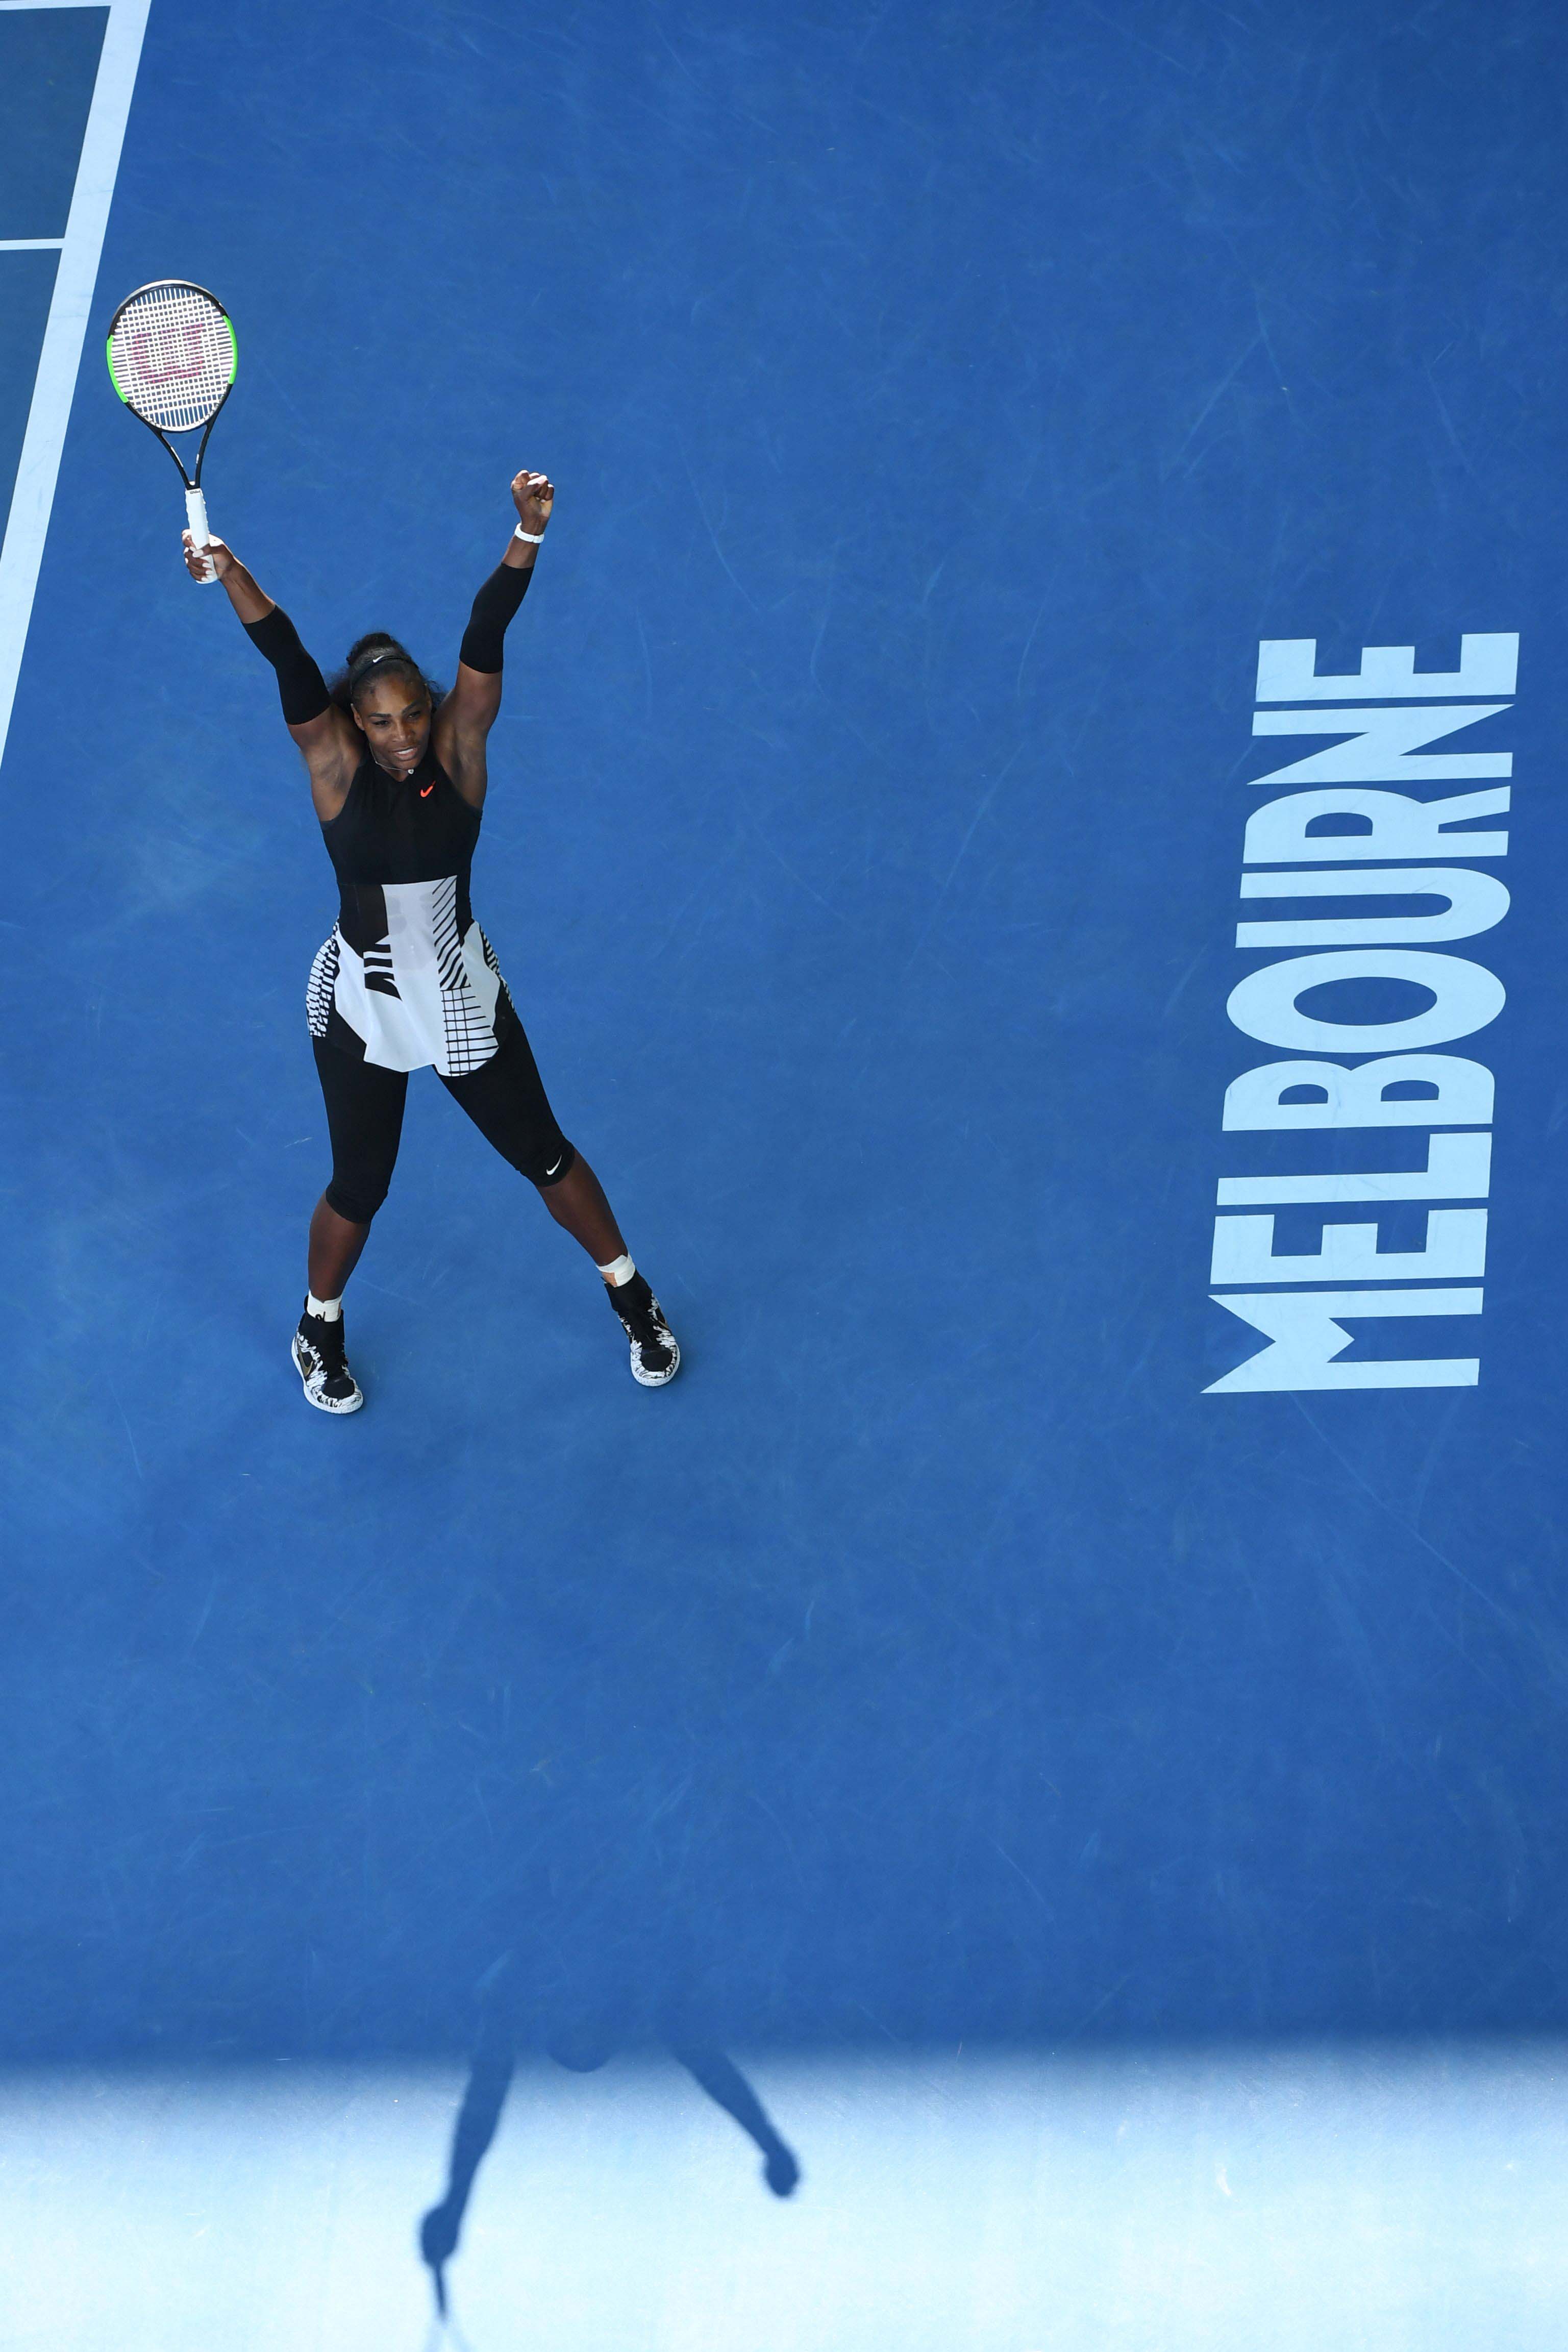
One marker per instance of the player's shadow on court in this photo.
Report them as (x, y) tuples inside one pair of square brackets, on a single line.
[(527, 2009)]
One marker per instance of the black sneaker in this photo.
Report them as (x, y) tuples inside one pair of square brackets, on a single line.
[(320, 1360), (656, 1358)]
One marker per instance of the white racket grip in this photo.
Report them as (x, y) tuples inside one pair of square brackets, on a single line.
[(196, 523)]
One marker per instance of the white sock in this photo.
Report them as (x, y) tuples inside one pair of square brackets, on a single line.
[(617, 1272), (329, 1309)]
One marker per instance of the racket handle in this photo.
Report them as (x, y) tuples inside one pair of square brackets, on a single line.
[(197, 524)]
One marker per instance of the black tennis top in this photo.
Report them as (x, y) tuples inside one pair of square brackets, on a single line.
[(391, 829)]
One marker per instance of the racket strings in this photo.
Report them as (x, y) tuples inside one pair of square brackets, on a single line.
[(172, 355)]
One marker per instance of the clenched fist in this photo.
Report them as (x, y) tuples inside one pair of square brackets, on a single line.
[(533, 495)]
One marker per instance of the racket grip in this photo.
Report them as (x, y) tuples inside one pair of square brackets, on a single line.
[(197, 524)]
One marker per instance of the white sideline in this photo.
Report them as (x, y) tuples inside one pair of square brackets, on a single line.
[(38, 467)]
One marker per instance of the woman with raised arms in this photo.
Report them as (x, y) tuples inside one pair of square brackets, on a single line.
[(408, 980)]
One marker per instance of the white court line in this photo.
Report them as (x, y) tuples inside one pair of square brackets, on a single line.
[(38, 467), (31, 244)]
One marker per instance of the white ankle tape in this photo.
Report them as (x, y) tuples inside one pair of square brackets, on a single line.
[(617, 1272), (329, 1310)]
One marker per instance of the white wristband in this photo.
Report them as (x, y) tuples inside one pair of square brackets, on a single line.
[(534, 537)]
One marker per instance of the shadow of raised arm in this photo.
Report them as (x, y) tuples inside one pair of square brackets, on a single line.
[(483, 2100), (725, 2083)]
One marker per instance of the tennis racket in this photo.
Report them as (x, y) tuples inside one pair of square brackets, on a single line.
[(171, 359)]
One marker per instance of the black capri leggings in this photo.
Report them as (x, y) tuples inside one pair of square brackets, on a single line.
[(505, 1098)]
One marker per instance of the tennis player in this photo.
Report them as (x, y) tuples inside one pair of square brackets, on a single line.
[(408, 980)]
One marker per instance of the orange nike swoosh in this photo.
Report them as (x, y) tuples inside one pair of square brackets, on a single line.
[(426, 791)]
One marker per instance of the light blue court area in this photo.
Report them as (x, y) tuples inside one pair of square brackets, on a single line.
[(1372, 2198), (1040, 489), (28, 276), (48, 65)]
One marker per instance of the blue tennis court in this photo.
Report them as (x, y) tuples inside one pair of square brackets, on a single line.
[(1021, 832)]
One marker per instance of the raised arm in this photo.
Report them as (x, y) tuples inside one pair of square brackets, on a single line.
[(468, 713), (325, 737)]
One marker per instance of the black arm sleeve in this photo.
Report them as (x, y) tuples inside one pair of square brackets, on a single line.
[(300, 684), (493, 607)]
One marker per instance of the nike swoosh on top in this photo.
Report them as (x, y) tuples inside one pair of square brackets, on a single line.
[(426, 791)]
